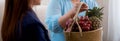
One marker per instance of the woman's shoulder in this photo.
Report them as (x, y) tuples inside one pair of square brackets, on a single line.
[(30, 18), (32, 28)]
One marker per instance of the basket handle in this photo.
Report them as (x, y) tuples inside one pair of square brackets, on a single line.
[(75, 18)]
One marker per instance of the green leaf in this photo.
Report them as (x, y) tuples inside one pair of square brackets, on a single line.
[(98, 12)]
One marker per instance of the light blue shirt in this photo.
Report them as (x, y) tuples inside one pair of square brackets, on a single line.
[(55, 10)]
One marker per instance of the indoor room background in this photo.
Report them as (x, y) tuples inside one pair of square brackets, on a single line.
[(41, 9)]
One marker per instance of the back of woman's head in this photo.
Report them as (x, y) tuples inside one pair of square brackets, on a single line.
[(14, 9)]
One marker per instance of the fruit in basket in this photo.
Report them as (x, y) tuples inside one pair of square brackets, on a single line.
[(91, 21), (74, 27), (97, 12), (86, 18), (68, 24), (96, 23), (87, 28), (85, 23), (95, 15)]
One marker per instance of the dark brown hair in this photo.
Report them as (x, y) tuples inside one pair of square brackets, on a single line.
[(14, 9)]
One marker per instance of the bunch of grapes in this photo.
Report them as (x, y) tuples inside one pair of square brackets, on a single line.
[(74, 27), (85, 23)]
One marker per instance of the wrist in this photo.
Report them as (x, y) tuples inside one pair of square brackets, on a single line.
[(73, 12)]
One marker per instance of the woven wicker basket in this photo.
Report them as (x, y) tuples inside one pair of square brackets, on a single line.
[(94, 35)]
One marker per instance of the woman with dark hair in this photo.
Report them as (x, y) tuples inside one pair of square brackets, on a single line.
[(20, 22)]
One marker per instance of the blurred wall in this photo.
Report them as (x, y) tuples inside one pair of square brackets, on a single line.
[(1, 14), (104, 3)]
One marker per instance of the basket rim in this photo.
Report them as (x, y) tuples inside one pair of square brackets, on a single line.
[(94, 30), (91, 30)]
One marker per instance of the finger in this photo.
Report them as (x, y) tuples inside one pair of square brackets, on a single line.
[(85, 5), (83, 9)]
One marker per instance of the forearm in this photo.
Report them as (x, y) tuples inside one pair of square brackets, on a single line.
[(63, 19)]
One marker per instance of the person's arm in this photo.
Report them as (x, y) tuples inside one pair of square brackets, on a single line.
[(54, 19), (72, 12), (53, 14), (63, 19)]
